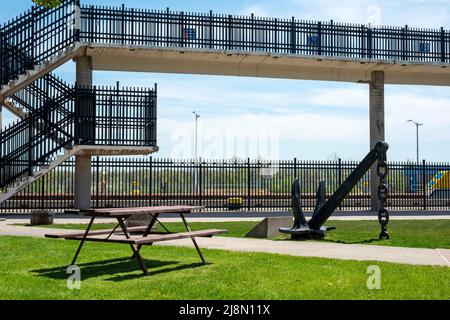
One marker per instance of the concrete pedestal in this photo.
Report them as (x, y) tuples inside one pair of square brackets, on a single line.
[(268, 228)]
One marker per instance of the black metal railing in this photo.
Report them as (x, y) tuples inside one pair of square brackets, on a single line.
[(36, 36), (29, 143), (49, 87), (116, 116), (60, 115), (232, 184), (139, 27), (40, 34)]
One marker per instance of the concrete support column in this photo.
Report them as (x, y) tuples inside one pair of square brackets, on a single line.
[(377, 131), (84, 71), (83, 173), (83, 182)]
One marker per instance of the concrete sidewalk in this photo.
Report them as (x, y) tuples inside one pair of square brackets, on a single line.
[(85, 220), (413, 256)]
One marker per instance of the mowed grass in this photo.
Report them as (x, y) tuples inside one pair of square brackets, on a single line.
[(36, 269), (404, 233)]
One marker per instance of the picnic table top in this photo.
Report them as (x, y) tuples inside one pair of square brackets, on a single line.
[(119, 212)]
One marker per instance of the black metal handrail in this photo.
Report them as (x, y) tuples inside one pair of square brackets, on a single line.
[(129, 26), (36, 36), (27, 145), (49, 87)]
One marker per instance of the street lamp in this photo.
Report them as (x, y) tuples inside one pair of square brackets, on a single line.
[(196, 133), (417, 124)]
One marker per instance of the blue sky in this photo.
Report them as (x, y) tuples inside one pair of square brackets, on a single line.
[(273, 118)]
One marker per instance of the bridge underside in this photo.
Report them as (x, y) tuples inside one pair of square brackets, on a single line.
[(255, 64)]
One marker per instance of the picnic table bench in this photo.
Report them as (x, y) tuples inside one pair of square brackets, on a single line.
[(136, 237)]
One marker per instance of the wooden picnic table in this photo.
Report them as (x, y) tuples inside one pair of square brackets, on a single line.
[(136, 237)]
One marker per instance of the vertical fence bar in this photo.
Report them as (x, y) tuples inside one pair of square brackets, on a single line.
[(319, 36), (97, 181), (150, 185), (200, 181), (248, 184), (424, 184), (211, 29), (293, 36)]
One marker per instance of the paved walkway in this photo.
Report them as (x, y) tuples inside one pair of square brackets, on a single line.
[(208, 218), (413, 256)]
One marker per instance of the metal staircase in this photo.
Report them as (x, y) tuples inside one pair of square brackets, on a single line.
[(58, 121)]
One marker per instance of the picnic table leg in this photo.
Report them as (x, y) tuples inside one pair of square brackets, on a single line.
[(136, 254), (148, 230), (192, 238), (82, 240)]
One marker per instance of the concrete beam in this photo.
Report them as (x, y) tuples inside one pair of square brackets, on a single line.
[(377, 129), (265, 65)]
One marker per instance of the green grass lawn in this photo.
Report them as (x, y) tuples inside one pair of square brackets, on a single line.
[(404, 233), (33, 268)]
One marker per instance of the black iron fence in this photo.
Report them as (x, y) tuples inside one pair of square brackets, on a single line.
[(140, 27), (237, 184)]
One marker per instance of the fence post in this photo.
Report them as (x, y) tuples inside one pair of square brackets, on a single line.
[(404, 42), (248, 184), (230, 32), (200, 180), (252, 39), (319, 36), (340, 177), (167, 26), (211, 29), (97, 182), (123, 24), (91, 25), (182, 38), (442, 44), (295, 169), (1, 58), (369, 43), (150, 189), (424, 183), (33, 45), (363, 47), (30, 150), (42, 202), (293, 42)]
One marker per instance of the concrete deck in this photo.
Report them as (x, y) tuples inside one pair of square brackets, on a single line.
[(412, 256)]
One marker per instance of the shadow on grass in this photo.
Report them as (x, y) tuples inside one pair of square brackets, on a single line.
[(123, 268)]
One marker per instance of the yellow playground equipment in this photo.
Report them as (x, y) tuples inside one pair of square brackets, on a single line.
[(440, 182)]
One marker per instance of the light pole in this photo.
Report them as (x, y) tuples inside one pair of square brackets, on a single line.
[(196, 133), (417, 124)]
